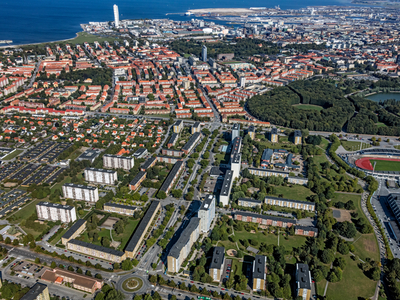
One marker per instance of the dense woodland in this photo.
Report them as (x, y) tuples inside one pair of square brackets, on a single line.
[(276, 106)]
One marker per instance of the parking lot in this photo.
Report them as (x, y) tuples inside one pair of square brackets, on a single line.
[(14, 205), (37, 151), (11, 196), (50, 156), (28, 269), (39, 176)]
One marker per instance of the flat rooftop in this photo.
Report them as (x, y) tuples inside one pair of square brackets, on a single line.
[(184, 237)]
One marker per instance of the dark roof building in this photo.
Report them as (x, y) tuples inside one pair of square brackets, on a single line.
[(218, 256), (38, 291)]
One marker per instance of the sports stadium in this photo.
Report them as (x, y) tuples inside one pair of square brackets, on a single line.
[(381, 163)]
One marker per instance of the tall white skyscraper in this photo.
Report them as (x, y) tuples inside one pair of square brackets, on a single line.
[(116, 15)]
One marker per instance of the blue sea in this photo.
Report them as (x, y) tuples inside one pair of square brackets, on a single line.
[(35, 21)]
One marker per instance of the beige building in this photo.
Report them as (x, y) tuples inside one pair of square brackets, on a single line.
[(140, 232), (297, 180), (259, 273), (267, 172), (289, 203), (96, 251), (247, 202), (120, 208), (297, 137), (74, 231), (178, 126), (273, 135), (217, 263), (39, 291), (181, 249), (303, 281)]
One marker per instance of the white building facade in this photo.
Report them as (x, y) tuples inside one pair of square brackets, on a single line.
[(118, 162), (55, 212), (80, 192), (207, 213), (101, 176)]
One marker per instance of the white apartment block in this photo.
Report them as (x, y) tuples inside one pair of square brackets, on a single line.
[(118, 162), (55, 212), (100, 176), (80, 192), (207, 213)]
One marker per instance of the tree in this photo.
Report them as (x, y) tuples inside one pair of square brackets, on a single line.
[(327, 256), (98, 276), (15, 242), (161, 195), (37, 260), (8, 240), (126, 265), (105, 241), (177, 193), (53, 265), (340, 262)]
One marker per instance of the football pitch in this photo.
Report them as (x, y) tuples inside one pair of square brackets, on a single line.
[(386, 165)]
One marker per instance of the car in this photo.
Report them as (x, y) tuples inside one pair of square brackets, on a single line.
[(192, 282), (65, 250)]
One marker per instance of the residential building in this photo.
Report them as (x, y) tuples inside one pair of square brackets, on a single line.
[(273, 135), (217, 263), (120, 208), (266, 158), (196, 127), (80, 192), (148, 163), (55, 212), (247, 202), (75, 230), (394, 202), (181, 249), (140, 153), (251, 131), (137, 180), (38, 291), (235, 131), (173, 175), (236, 162), (297, 137), (90, 155), (118, 162), (265, 220), (172, 141), (96, 251), (306, 231), (259, 273), (141, 230), (207, 213), (303, 281), (226, 188), (289, 203), (178, 126), (297, 180), (267, 172), (171, 152), (101, 176), (79, 281), (204, 53), (191, 143), (116, 16)]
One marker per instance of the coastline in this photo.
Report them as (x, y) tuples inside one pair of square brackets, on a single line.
[(31, 44)]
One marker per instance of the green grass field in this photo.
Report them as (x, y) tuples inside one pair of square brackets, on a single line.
[(367, 246), (353, 146), (386, 165), (308, 107), (354, 284), (58, 236), (25, 212), (126, 235), (13, 154), (380, 124), (324, 143), (342, 197), (295, 192)]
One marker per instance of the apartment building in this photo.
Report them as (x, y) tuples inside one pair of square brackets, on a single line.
[(178, 126), (118, 162), (207, 213), (120, 208), (78, 281), (297, 137), (137, 238), (38, 291), (259, 273), (226, 188), (191, 143), (74, 231), (137, 180), (96, 251), (217, 263), (265, 220), (181, 249), (303, 281), (306, 231), (80, 192), (235, 131), (148, 163), (248, 202), (172, 141), (394, 202), (289, 203), (297, 180), (55, 212), (101, 176), (196, 127), (273, 135), (267, 172), (172, 177), (251, 131), (236, 162)]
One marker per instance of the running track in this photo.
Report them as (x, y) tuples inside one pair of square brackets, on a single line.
[(364, 163)]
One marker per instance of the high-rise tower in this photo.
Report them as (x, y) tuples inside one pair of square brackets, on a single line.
[(204, 53), (116, 15)]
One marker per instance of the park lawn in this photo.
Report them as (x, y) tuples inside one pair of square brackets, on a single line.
[(308, 107), (126, 235), (102, 233), (60, 184), (319, 159), (354, 284), (13, 154), (74, 155), (58, 236), (283, 139), (292, 242), (237, 267), (324, 143), (386, 165), (342, 197), (353, 146), (366, 246), (25, 212), (320, 288), (295, 192), (222, 157), (380, 124)]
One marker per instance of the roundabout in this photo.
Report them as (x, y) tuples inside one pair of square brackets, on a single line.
[(132, 283)]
